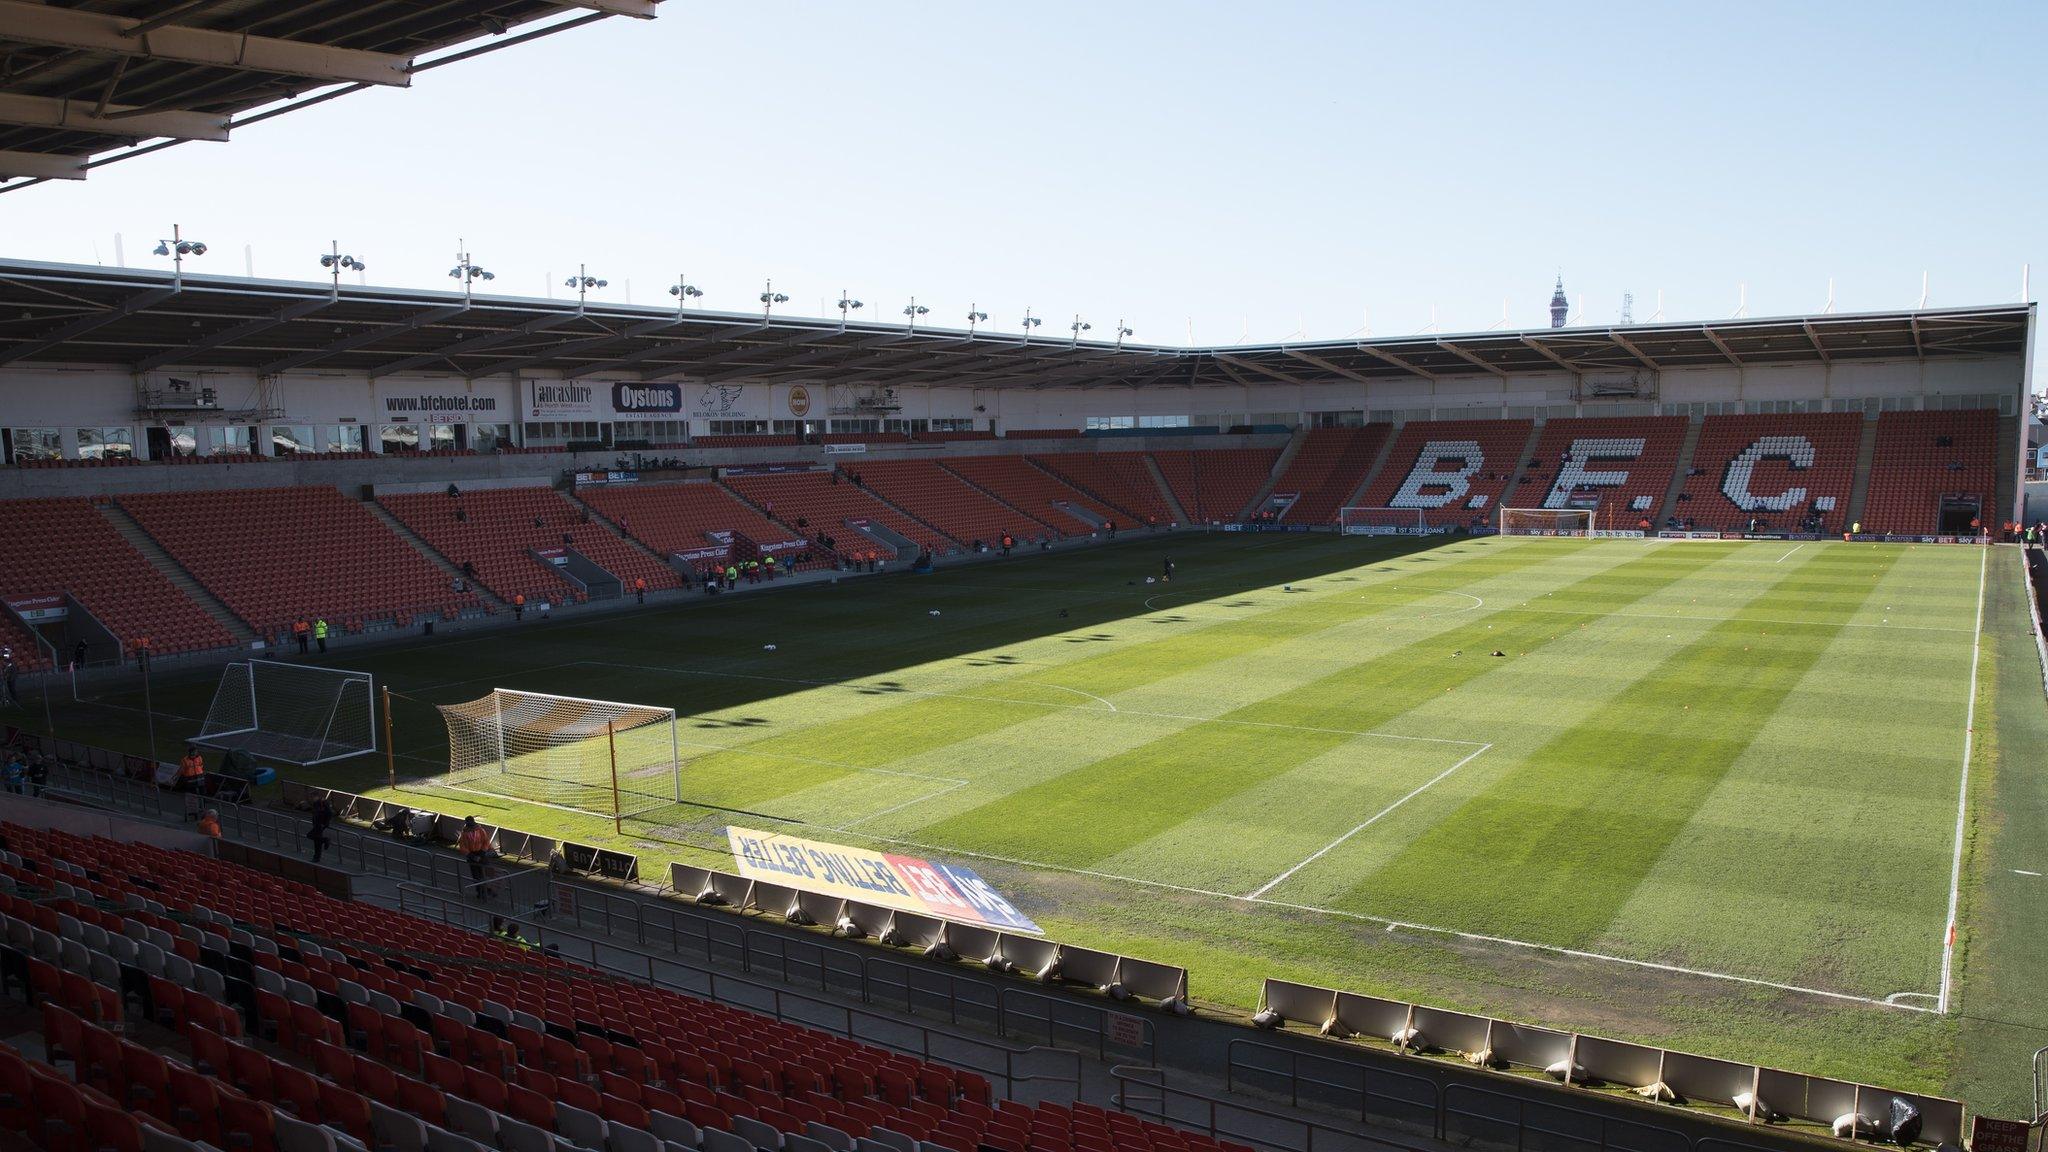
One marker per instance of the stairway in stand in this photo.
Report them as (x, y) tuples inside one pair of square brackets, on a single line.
[(172, 570)]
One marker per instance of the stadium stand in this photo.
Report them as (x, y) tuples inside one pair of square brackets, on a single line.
[(865, 438), (297, 554), (1119, 480), (1328, 468), (1213, 485), (1925, 460), (1041, 433), (470, 1043), (1642, 451), (1470, 487), (828, 503), (1032, 490), (72, 548), (948, 503), (671, 518), (500, 529), (943, 437), (1781, 469)]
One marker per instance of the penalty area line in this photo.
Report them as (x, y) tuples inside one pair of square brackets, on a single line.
[(1955, 871), (1326, 849), (1452, 933)]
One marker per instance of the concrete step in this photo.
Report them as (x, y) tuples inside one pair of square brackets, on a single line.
[(599, 519), (1378, 462), (1180, 514), (991, 495), (421, 546), (1866, 450), (161, 560), (1507, 494), (1669, 507), (1280, 466)]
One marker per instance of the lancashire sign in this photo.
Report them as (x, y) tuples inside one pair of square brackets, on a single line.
[(906, 883)]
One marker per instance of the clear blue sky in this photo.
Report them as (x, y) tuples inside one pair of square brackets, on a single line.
[(1261, 170)]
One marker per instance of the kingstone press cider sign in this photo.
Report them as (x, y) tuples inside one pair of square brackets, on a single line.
[(905, 883)]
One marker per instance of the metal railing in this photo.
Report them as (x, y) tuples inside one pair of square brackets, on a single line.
[(1352, 1087), (915, 989), (1143, 1091), (1010, 1068)]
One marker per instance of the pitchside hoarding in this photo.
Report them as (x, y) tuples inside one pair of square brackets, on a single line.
[(905, 883)]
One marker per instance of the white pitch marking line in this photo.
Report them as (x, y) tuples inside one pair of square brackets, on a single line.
[(1955, 871), (956, 786), (1275, 882), (1732, 619), (1032, 703), (1781, 559), (1078, 692), (2024, 872), (1476, 604), (1391, 925)]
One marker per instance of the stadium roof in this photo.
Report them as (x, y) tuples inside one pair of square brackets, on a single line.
[(79, 78), (146, 319)]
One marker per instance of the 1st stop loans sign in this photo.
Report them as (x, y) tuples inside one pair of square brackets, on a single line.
[(905, 883)]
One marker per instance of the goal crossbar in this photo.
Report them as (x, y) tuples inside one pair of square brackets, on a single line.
[(298, 713), (603, 757), (1547, 522)]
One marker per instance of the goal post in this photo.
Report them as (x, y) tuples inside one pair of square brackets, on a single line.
[(1546, 522), (1360, 521), (297, 713), (600, 757)]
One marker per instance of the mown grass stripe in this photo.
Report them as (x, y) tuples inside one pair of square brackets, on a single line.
[(1168, 781), (1554, 850), (821, 753)]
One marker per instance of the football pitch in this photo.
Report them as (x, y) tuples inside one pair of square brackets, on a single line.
[(1711, 795)]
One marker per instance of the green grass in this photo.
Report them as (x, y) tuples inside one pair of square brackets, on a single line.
[(1739, 758)]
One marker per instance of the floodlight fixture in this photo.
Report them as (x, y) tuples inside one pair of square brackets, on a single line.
[(847, 305), (177, 248), (913, 310), (975, 316), (770, 298)]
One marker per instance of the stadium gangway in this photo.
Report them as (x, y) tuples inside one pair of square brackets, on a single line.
[(998, 1062)]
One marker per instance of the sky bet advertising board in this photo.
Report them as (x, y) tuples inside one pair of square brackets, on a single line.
[(905, 883)]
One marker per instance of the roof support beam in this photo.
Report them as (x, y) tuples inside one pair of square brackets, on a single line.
[(633, 359), (110, 120), (369, 336), (107, 35), (474, 344), (27, 349), (1537, 347), (1814, 338), (1714, 338), (796, 339), (1396, 361), (1261, 369), (576, 348), (1471, 358), (1919, 348), (639, 9), (41, 166), (1326, 366), (240, 331), (1627, 345)]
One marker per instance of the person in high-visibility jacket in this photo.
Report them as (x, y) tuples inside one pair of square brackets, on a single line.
[(320, 633), (475, 845), (640, 588), (519, 605), (191, 770), (301, 632)]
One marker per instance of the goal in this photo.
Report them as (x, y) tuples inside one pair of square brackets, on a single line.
[(600, 757), (1546, 522), (1382, 522), (296, 713)]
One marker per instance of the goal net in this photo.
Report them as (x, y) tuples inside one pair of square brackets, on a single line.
[(1382, 522), (296, 713), (596, 756), (1546, 521)]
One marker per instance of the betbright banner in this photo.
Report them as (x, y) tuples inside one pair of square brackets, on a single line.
[(906, 883)]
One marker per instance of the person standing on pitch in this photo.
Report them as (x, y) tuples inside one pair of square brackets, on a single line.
[(320, 633), (1165, 568), (301, 632)]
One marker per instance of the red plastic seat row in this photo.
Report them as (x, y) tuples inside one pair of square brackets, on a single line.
[(1452, 471), (1121, 480)]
